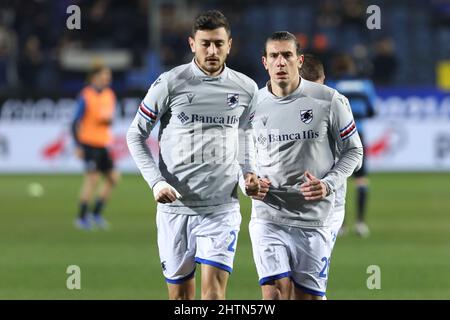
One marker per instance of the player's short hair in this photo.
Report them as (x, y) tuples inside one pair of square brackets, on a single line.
[(312, 68), (210, 20), (283, 36), (96, 69)]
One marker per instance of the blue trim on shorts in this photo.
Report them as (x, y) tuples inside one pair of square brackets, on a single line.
[(214, 264), (307, 290), (178, 281), (274, 277)]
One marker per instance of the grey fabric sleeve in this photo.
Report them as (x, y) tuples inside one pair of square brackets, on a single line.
[(345, 133), (150, 111), (247, 150)]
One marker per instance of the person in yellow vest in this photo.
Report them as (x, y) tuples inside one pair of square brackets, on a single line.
[(92, 133)]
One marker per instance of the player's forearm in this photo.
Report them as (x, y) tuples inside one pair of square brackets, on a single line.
[(349, 161), (141, 154)]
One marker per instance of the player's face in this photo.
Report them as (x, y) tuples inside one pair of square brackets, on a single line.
[(282, 62), (103, 78), (211, 48)]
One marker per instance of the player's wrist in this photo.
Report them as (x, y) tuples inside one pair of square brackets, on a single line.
[(158, 186), (327, 188)]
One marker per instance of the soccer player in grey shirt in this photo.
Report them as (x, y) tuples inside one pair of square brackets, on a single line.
[(312, 69), (300, 128), (205, 113)]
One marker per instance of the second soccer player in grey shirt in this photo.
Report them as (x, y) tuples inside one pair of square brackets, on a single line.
[(300, 127), (201, 106)]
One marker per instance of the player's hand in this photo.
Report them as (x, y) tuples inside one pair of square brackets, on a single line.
[(79, 152), (264, 185), (251, 184), (165, 193), (313, 189)]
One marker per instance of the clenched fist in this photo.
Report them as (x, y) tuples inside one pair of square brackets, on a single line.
[(251, 184), (313, 189)]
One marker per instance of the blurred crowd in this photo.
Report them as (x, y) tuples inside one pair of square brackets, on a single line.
[(33, 33)]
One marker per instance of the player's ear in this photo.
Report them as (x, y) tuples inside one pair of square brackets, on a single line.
[(192, 44), (229, 45), (264, 62), (301, 58)]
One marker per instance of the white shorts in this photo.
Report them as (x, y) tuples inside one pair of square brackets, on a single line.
[(336, 223), (184, 240), (303, 254)]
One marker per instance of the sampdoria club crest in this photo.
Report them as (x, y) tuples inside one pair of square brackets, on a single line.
[(306, 116), (233, 100)]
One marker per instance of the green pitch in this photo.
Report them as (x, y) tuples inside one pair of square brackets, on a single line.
[(409, 216)]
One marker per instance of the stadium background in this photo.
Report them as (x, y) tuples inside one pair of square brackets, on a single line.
[(43, 66)]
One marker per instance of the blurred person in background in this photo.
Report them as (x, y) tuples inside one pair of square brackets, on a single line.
[(353, 12), (327, 15), (31, 63), (92, 133), (8, 43), (384, 62), (321, 48), (361, 94)]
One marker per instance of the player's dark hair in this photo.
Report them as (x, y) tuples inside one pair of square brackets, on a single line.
[(210, 20), (312, 68), (282, 36)]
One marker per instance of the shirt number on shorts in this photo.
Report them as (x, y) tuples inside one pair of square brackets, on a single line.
[(233, 242), (322, 273)]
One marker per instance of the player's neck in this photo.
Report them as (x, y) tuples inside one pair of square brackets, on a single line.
[(283, 91)]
